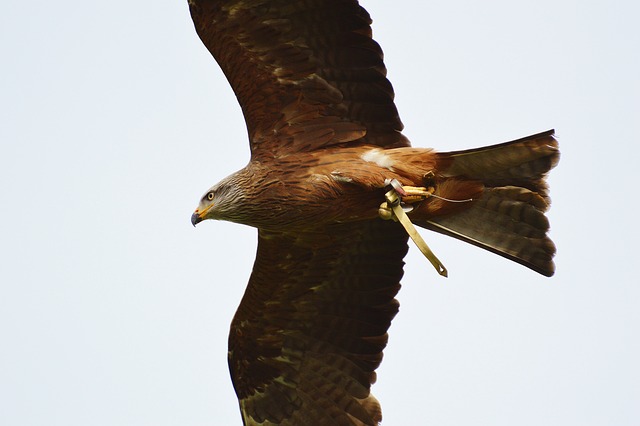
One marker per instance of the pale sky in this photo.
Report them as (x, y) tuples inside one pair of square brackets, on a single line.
[(114, 310)]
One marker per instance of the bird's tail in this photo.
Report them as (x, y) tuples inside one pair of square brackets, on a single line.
[(495, 198)]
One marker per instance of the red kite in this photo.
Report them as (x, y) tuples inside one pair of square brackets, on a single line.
[(328, 164)]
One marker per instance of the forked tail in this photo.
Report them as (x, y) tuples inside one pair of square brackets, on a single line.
[(510, 196)]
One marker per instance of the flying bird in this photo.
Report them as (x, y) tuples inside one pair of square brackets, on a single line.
[(333, 187)]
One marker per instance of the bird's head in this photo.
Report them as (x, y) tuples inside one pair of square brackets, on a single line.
[(222, 201), (206, 208)]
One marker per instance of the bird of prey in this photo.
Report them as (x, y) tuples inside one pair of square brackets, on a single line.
[(329, 164)]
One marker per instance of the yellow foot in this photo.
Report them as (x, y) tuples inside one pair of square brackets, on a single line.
[(411, 194)]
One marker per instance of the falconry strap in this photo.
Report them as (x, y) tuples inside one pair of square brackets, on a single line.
[(392, 209)]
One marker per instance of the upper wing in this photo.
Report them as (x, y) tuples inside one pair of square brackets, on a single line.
[(307, 73), (309, 333)]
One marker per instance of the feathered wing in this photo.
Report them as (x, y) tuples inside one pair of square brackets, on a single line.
[(507, 215), (307, 74), (309, 333)]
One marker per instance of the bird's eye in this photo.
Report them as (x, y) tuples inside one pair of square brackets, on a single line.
[(210, 196)]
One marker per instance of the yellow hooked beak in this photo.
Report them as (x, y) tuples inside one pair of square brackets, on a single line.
[(198, 216)]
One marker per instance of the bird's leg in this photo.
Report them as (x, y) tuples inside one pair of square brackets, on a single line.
[(392, 209), (413, 194)]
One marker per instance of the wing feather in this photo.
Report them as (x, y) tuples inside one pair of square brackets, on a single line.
[(291, 64), (309, 333)]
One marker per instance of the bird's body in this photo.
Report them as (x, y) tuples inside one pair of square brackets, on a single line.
[(308, 191), (326, 142), (316, 189)]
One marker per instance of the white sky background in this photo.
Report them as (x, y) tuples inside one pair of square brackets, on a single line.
[(114, 120)]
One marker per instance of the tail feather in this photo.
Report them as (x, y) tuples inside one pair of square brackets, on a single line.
[(503, 221), (510, 198), (523, 162)]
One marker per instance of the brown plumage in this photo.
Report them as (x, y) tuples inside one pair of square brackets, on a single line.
[(325, 137)]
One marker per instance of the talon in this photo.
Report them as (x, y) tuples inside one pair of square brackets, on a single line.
[(429, 179), (417, 191), (410, 194)]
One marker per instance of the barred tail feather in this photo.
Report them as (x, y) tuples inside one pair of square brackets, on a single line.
[(506, 221), (508, 216)]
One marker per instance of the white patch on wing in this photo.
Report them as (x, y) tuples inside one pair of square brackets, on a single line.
[(378, 157), (339, 177)]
